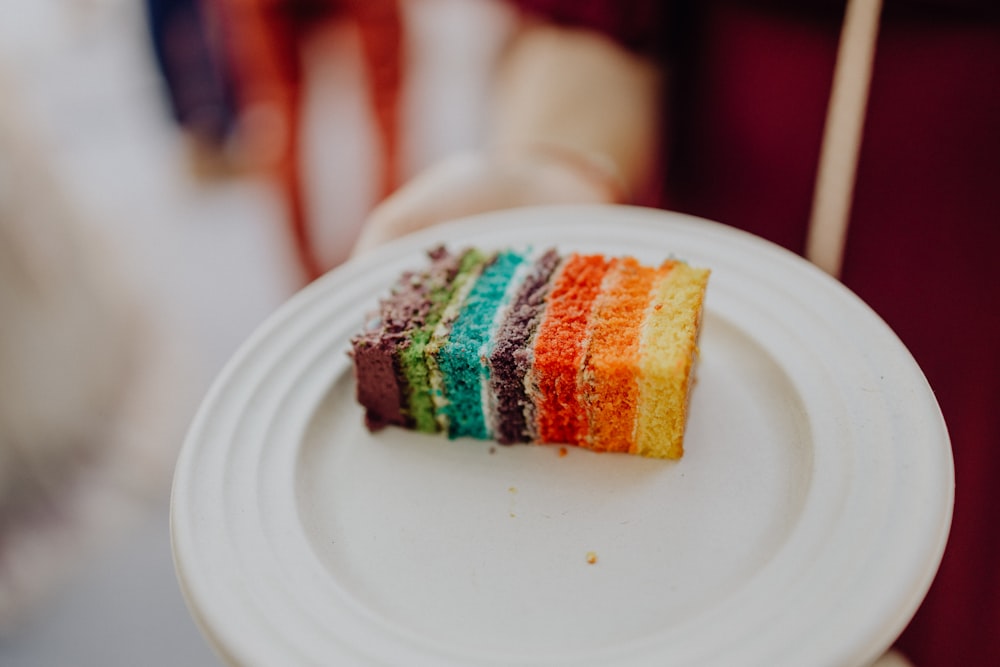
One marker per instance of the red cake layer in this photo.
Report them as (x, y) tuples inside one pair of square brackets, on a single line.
[(559, 349)]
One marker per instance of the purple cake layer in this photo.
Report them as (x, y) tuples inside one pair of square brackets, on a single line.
[(511, 357)]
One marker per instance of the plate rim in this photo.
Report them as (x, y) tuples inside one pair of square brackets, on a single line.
[(312, 297)]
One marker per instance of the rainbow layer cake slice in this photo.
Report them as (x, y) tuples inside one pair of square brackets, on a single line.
[(536, 347)]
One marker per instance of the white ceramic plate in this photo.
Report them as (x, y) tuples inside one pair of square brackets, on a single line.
[(802, 527)]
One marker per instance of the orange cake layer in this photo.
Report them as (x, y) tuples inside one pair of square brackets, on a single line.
[(610, 388), (559, 348)]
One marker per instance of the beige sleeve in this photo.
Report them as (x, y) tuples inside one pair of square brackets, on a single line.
[(576, 93)]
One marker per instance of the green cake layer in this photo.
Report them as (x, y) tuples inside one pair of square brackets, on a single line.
[(412, 356)]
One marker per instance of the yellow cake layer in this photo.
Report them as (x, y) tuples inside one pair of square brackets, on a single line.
[(668, 351)]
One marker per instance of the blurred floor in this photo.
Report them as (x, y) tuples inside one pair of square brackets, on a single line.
[(210, 259)]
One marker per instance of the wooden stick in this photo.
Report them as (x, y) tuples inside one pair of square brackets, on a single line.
[(842, 136)]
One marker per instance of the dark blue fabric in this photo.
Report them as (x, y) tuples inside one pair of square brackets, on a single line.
[(198, 83)]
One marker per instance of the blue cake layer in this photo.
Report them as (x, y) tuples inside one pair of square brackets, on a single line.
[(460, 359)]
